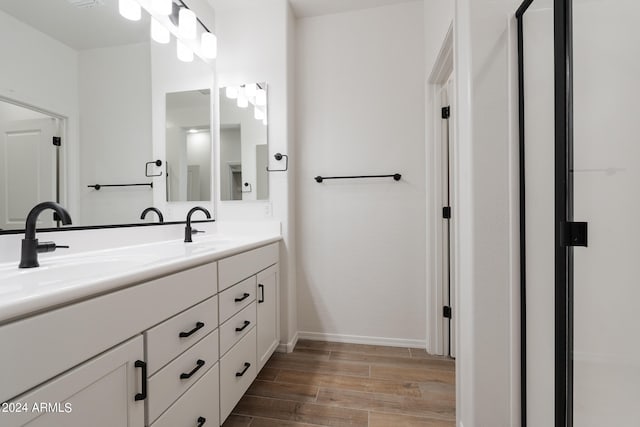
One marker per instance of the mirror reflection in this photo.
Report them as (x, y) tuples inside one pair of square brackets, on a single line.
[(188, 140), (77, 70), (243, 143)]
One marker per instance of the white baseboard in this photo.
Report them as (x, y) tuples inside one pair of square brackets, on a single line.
[(357, 339), (288, 347)]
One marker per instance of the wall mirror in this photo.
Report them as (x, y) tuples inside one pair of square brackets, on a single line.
[(83, 97), (244, 148)]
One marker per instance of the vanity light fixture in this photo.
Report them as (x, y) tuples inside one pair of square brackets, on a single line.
[(250, 90), (243, 102), (209, 45), (184, 53), (163, 7), (232, 92), (159, 32), (187, 24), (261, 97), (130, 9), (193, 131)]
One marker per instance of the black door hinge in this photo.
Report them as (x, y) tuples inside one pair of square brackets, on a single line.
[(446, 212), (446, 312), (57, 141), (446, 112), (575, 234)]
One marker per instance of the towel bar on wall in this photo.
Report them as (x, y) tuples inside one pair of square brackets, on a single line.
[(395, 176), (99, 186)]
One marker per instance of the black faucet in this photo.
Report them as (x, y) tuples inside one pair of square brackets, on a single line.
[(30, 245), (188, 232), (156, 210)]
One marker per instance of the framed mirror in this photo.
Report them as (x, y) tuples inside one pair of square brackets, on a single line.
[(244, 141), (83, 113)]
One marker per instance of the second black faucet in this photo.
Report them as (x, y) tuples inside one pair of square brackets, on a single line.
[(188, 231)]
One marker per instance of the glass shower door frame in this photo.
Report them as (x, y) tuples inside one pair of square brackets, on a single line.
[(563, 215)]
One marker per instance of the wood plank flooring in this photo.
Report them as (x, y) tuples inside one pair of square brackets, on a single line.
[(337, 384)]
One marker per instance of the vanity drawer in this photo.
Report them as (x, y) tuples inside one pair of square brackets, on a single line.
[(237, 372), (238, 267), (178, 376), (236, 298), (200, 404), (174, 336), (229, 333)]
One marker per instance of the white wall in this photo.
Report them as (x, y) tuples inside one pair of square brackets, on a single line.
[(361, 111), (230, 143), (46, 78), (115, 132), (255, 45), (199, 154)]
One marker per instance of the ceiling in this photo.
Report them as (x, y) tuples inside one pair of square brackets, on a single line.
[(308, 8), (79, 28)]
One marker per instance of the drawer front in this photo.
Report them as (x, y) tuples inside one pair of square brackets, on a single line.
[(238, 267), (235, 376), (198, 406), (236, 298), (237, 327), (93, 326), (173, 337), (167, 385)]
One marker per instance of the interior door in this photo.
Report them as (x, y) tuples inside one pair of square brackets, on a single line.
[(606, 176), (27, 142)]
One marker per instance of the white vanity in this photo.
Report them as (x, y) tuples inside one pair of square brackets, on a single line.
[(173, 337)]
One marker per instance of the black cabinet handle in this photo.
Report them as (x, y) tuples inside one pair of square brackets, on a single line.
[(247, 365), (246, 323), (244, 297), (199, 364), (143, 394), (261, 288), (199, 326), (201, 421)]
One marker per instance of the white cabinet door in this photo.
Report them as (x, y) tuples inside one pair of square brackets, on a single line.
[(98, 393), (268, 314)]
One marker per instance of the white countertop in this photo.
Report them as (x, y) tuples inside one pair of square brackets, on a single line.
[(61, 280)]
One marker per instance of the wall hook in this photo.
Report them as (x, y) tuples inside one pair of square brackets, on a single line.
[(146, 168), (247, 185), (279, 157)]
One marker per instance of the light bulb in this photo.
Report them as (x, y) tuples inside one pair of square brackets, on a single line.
[(261, 97), (243, 102), (259, 114), (209, 45), (130, 10), (232, 92), (159, 33), (187, 24), (163, 7), (250, 90), (184, 53)]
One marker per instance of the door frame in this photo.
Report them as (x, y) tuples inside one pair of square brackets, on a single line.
[(442, 70)]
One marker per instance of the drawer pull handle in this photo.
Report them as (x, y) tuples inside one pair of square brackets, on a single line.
[(143, 394), (199, 326), (244, 297), (201, 421), (246, 323), (200, 363), (247, 365), (261, 300)]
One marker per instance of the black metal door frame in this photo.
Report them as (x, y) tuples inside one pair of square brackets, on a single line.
[(563, 164)]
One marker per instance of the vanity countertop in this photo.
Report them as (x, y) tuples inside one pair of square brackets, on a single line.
[(61, 280)]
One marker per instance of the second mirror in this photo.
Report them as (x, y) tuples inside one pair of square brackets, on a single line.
[(244, 148)]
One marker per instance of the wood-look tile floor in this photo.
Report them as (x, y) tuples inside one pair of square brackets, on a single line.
[(335, 384)]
